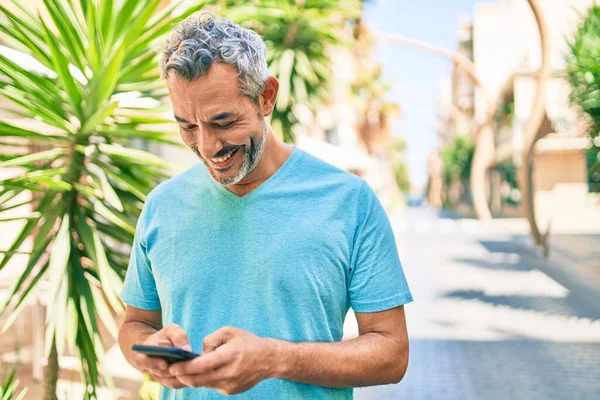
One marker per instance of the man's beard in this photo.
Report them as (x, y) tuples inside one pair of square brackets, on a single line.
[(251, 158)]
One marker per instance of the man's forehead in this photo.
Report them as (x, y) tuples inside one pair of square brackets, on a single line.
[(214, 96), (219, 76)]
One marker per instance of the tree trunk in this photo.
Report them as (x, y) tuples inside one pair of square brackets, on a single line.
[(532, 131), (482, 159), (51, 374)]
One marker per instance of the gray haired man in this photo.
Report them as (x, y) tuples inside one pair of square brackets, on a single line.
[(254, 255)]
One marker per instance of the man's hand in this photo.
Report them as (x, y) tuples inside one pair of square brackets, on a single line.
[(157, 368), (232, 362)]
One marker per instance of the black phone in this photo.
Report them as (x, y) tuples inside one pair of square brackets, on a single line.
[(169, 354)]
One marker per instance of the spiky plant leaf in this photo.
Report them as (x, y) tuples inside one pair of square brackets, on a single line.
[(67, 75)]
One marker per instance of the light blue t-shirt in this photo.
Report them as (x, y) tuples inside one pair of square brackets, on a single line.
[(285, 261)]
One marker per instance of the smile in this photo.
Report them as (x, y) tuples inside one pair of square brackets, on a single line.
[(222, 162)]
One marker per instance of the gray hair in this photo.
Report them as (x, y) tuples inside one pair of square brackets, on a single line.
[(198, 42)]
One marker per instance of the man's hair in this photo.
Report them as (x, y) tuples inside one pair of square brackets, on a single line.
[(198, 42)]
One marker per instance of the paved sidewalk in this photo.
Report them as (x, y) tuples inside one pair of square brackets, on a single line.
[(491, 320)]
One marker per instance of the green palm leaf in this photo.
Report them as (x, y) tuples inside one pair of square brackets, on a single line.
[(297, 35), (91, 183), (583, 73)]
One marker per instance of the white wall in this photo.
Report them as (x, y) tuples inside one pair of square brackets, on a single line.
[(506, 38)]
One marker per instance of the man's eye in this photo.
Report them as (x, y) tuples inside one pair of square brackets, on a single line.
[(189, 128), (224, 126)]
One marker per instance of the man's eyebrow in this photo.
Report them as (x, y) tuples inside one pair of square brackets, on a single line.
[(223, 115), (182, 120)]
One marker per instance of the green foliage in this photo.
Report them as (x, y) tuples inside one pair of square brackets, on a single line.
[(9, 389), (508, 173), (505, 113), (400, 168), (396, 150), (583, 68), (298, 35), (593, 164), (583, 71), (89, 183), (457, 158)]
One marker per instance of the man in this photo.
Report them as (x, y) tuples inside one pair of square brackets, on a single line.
[(254, 256)]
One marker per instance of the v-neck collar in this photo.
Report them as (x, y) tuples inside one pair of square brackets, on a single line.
[(287, 165)]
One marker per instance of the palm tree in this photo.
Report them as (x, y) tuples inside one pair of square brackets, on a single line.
[(584, 76), (91, 87), (371, 90), (298, 34)]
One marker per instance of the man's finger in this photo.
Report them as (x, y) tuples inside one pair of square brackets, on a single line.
[(209, 380), (177, 336), (159, 341), (217, 338), (205, 364), (157, 364), (160, 373), (151, 362), (143, 362), (172, 383)]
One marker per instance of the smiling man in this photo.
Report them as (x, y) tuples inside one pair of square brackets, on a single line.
[(254, 255)]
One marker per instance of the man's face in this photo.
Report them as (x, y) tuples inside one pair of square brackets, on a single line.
[(223, 127)]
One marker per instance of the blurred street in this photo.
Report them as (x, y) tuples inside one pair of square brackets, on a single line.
[(492, 320)]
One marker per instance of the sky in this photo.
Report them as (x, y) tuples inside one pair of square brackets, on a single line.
[(415, 73)]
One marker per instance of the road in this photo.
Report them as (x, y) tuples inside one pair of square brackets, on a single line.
[(490, 319)]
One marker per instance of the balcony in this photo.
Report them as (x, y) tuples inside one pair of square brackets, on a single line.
[(563, 134)]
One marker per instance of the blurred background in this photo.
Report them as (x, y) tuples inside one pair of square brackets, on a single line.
[(476, 123)]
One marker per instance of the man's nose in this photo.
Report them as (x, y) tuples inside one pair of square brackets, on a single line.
[(208, 143)]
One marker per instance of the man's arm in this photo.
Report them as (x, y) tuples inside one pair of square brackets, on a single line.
[(138, 326), (234, 360), (379, 355)]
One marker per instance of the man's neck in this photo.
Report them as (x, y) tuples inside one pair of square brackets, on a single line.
[(274, 155)]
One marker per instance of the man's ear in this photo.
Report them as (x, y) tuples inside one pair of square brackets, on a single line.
[(268, 96)]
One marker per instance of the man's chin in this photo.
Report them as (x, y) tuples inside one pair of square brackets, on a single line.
[(222, 177), (226, 176)]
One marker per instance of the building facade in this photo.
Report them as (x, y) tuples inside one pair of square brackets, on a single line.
[(507, 61), (504, 43)]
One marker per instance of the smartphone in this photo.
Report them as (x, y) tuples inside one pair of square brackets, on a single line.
[(169, 354)]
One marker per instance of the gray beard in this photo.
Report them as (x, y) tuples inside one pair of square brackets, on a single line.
[(251, 158)]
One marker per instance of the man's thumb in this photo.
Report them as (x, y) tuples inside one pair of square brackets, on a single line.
[(178, 337), (216, 339)]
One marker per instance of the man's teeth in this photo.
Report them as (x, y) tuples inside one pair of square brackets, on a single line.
[(222, 159)]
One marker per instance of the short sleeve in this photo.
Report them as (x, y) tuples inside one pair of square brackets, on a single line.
[(139, 288), (377, 281)]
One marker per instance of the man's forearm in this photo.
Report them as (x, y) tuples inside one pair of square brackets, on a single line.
[(133, 332), (370, 359)]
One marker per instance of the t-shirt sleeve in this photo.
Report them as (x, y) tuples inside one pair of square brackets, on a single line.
[(377, 281), (139, 288)]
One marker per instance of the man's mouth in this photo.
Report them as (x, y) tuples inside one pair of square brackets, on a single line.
[(223, 162)]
